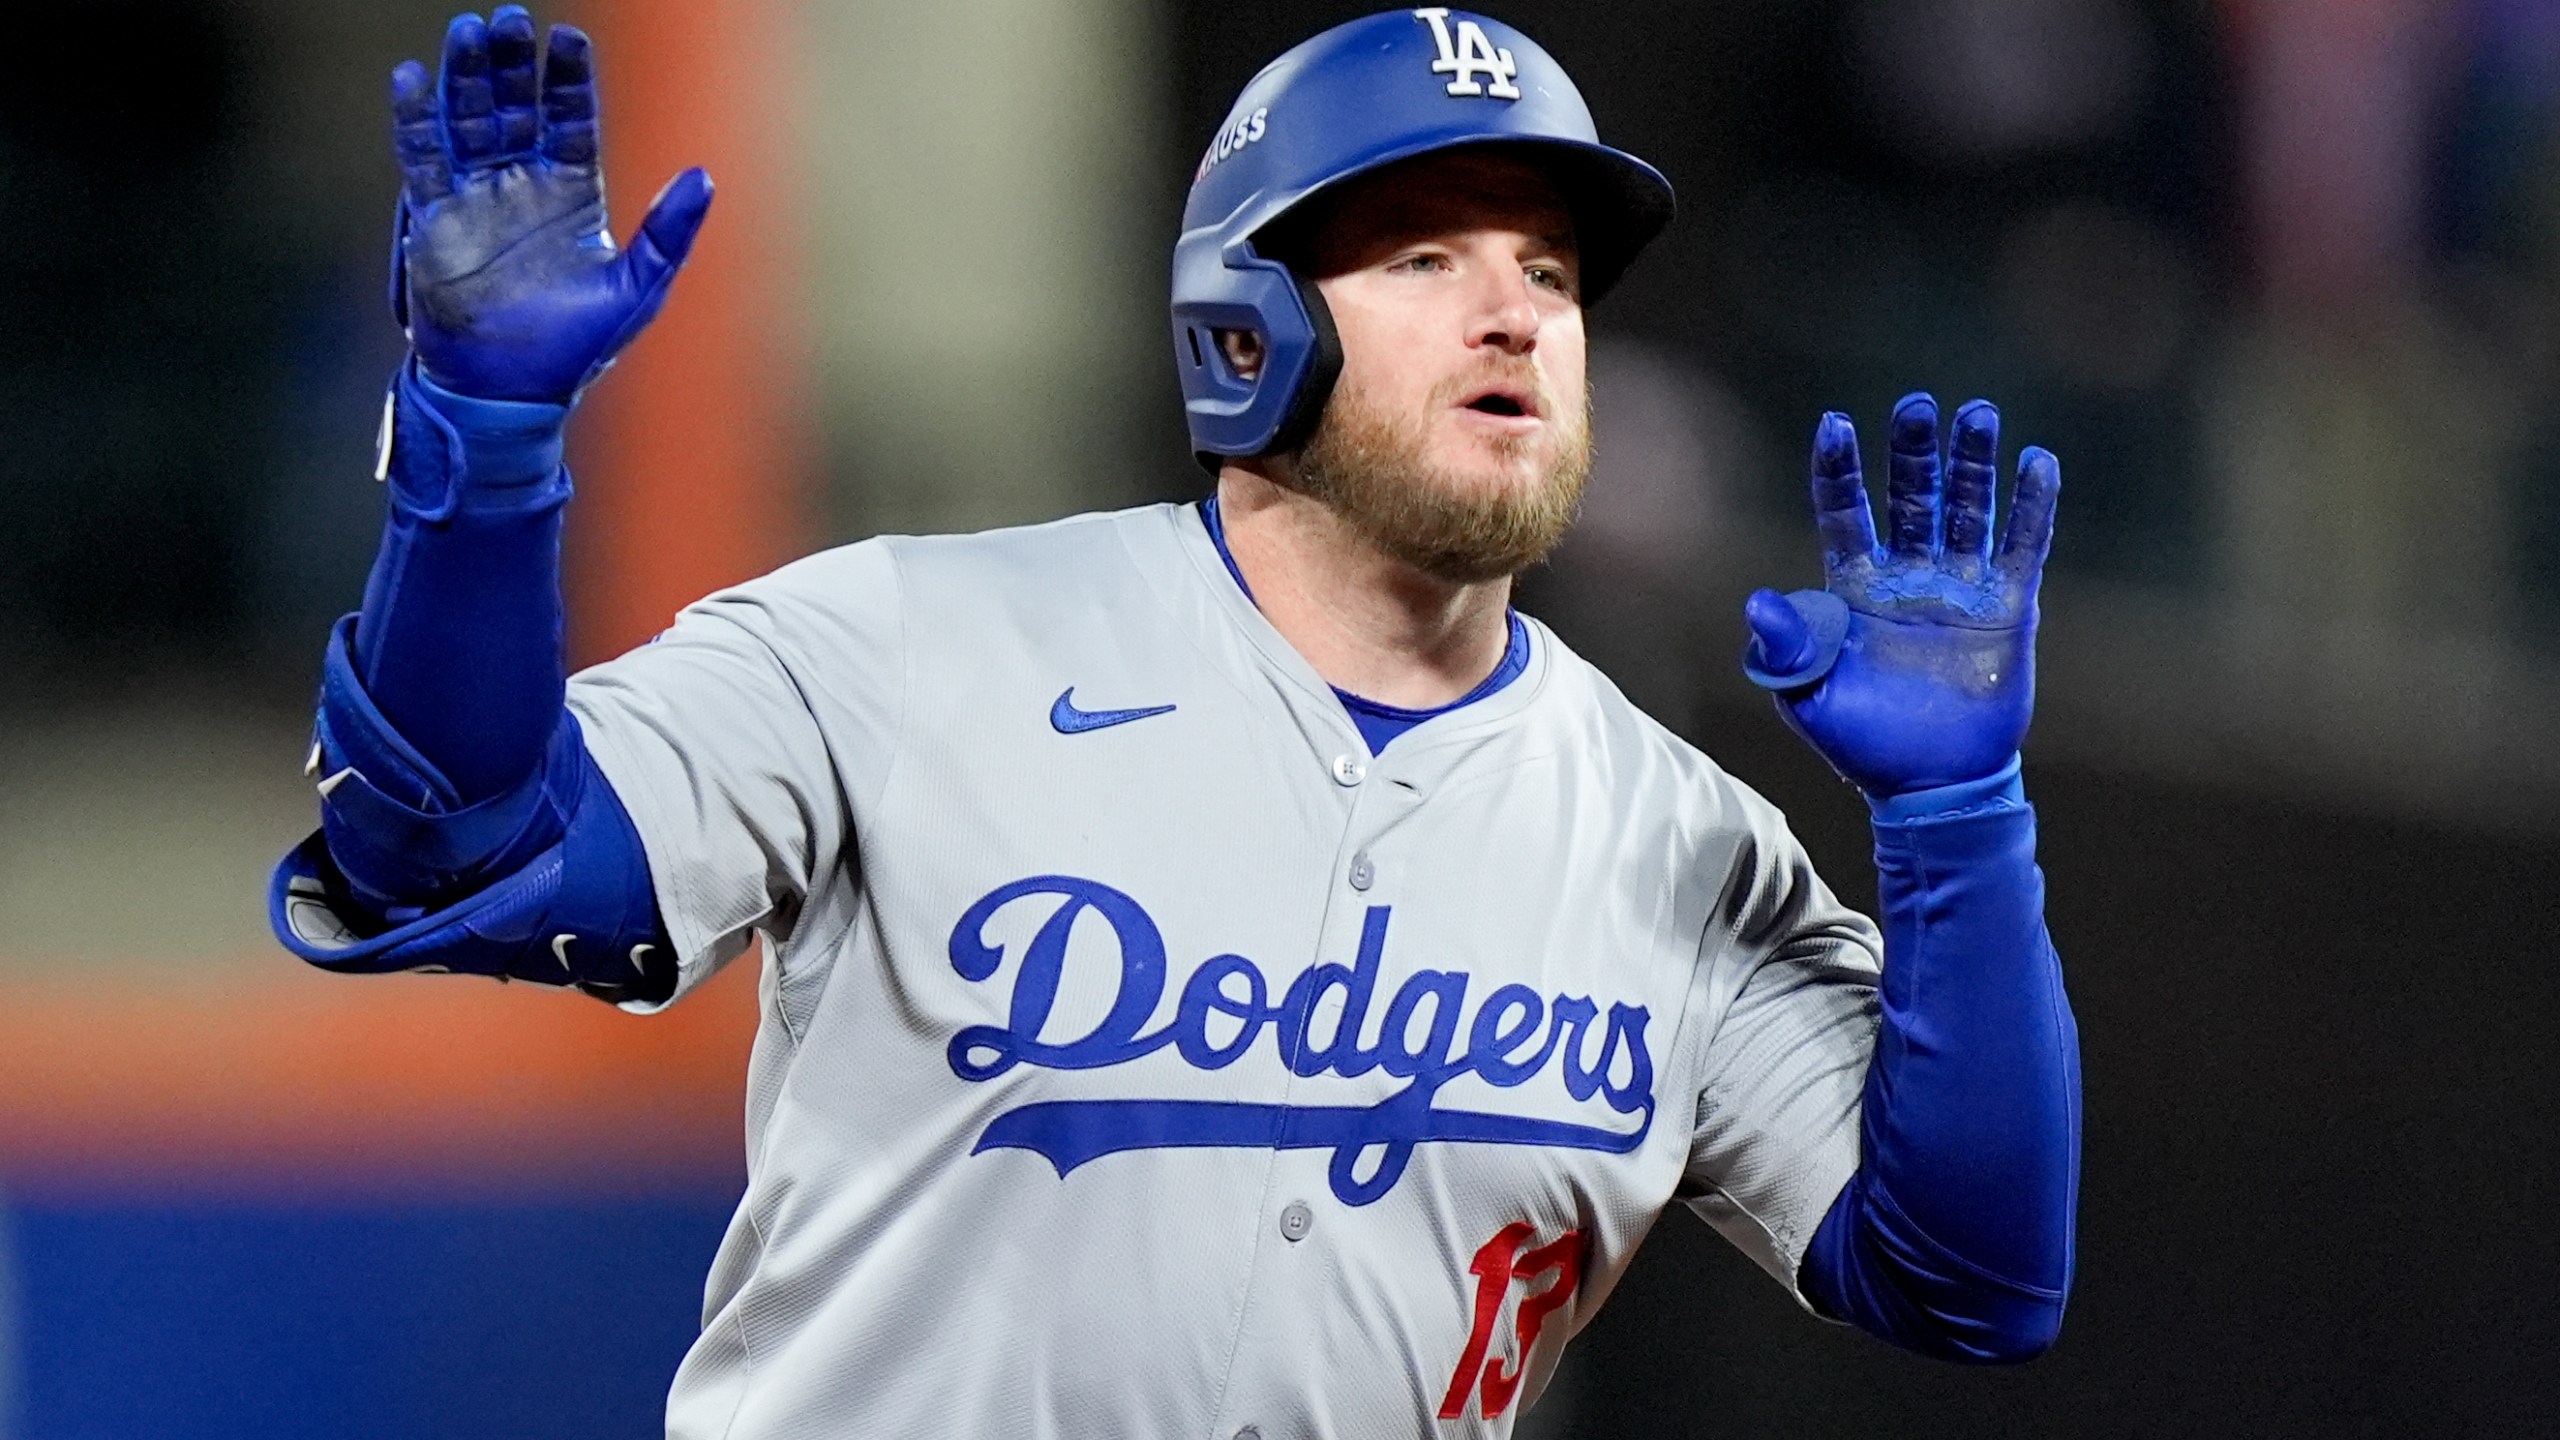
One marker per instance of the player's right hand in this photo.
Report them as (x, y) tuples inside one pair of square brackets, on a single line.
[(503, 272)]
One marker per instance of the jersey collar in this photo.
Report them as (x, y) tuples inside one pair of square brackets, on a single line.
[(1172, 547)]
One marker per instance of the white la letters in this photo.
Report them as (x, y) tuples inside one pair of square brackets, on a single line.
[(1470, 53)]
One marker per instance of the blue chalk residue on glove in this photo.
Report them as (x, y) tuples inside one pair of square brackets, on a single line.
[(1931, 680), (503, 270)]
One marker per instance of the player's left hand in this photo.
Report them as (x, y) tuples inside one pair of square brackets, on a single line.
[(1914, 665), (503, 272)]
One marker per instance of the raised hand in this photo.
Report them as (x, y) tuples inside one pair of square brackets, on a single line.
[(1914, 665), (503, 272)]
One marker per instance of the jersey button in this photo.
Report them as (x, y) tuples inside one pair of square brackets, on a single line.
[(1362, 872), (1250, 1432), (1348, 770), (1296, 1221)]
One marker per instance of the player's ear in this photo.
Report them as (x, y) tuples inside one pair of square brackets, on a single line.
[(1243, 349)]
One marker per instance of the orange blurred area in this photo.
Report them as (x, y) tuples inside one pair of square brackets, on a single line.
[(698, 445), (692, 462), (308, 1080)]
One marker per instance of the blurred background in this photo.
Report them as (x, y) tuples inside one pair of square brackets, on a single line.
[(2278, 279)]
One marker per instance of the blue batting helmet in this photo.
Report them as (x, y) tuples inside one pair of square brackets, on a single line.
[(1360, 96)]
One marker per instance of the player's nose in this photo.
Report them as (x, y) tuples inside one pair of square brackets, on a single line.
[(1505, 314)]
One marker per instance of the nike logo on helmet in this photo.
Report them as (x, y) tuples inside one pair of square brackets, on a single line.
[(1066, 719)]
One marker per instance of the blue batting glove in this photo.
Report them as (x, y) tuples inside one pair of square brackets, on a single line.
[(502, 269), (1914, 666)]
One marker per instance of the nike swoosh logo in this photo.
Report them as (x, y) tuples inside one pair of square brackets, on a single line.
[(1066, 719)]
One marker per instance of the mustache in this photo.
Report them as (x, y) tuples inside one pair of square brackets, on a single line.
[(1502, 370)]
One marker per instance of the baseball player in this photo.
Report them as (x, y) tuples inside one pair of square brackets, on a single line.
[(1227, 974)]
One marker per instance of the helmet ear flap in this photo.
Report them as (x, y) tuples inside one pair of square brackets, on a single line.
[(1323, 369), (1314, 388)]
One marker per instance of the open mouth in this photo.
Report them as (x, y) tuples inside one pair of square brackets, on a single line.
[(1504, 402)]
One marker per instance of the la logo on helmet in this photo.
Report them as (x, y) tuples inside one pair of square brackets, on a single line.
[(1468, 54)]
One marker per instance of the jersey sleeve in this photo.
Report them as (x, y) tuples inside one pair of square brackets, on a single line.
[(744, 740), (1792, 975)]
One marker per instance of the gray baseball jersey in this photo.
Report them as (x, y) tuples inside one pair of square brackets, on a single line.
[(1140, 1056)]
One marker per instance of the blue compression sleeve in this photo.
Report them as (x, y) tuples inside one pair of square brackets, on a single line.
[(1954, 1237), (467, 584)]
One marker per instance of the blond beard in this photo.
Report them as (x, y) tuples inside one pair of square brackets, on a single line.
[(1367, 466)]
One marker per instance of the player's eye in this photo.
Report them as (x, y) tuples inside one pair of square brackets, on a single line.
[(1553, 277), (1420, 263)]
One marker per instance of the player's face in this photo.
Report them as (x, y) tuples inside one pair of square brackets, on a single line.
[(1458, 436)]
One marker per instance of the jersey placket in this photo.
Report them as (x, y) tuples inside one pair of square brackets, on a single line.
[(1286, 1232)]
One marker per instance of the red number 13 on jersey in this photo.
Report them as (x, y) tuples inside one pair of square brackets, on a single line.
[(1496, 1266)]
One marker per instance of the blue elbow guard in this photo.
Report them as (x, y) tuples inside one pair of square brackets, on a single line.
[(580, 912), (394, 824), (545, 882)]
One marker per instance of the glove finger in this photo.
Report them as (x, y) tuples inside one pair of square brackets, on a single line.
[(569, 99), (1795, 639), (1840, 493), (470, 106), (417, 135), (512, 80), (658, 248), (1911, 478), (2030, 533), (1972, 473), (1784, 640), (666, 233), (400, 262)]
